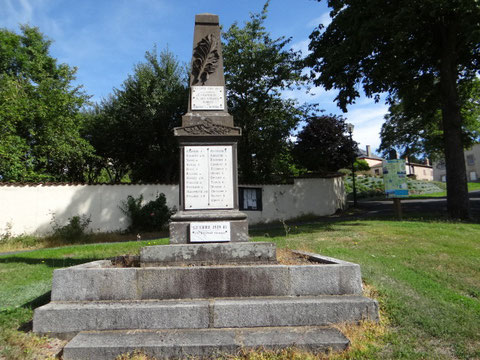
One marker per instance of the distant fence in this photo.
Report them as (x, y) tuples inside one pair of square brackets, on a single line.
[(30, 208)]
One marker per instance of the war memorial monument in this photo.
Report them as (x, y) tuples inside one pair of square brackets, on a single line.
[(210, 291)]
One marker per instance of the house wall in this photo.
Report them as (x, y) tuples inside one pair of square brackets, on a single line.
[(372, 162), (472, 164), (29, 209), (421, 172)]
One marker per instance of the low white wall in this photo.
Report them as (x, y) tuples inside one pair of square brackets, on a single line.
[(29, 209), (307, 196)]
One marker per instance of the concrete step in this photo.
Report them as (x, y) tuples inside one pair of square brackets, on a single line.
[(65, 319), (184, 343), (208, 254), (100, 281)]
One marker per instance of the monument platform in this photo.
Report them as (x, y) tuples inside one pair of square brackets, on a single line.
[(173, 311)]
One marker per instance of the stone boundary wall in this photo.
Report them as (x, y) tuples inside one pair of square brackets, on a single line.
[(30, 208)]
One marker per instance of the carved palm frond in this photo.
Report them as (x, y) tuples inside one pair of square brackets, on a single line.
[(205, 59)]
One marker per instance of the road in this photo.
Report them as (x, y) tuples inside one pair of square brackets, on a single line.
[(437, 206)]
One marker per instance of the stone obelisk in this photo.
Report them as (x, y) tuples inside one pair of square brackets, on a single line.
[(208, 209)]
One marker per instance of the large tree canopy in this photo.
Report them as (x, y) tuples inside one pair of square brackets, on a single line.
[(323, 145), (407, 49), (420, 132), (132, 130), (40, 118), (257, 69)]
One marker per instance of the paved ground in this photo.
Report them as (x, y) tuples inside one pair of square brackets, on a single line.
[(438, 206)]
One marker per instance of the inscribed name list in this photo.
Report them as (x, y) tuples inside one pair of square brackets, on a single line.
[(208, 98), (208, 175)]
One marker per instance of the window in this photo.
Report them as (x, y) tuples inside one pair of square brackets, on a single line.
[(377, 171), (470, 160), (473, 176), (250, 198)]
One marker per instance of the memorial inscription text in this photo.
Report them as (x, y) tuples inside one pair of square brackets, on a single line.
[(209, 231), (208, 177), (208, 98)]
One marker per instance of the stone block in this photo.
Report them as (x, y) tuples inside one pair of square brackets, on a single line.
[(94, 281), (293, 311), (334, 279), (199, 343), (180, 233), (99, 281), (65, 318), (216, 253), (213, 281)]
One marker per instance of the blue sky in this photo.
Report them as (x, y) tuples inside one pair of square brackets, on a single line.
[(105, 38)]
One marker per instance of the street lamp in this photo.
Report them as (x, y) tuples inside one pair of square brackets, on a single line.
[(354, 156)]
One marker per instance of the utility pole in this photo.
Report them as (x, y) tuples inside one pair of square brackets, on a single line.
[(350, 132)]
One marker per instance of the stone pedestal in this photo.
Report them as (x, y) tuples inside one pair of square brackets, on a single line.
[(208, 209)]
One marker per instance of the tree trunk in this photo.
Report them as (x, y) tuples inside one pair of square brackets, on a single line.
[(457, 190)]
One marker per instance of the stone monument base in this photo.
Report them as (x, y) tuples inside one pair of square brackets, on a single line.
[(180, 224), (202, 300)]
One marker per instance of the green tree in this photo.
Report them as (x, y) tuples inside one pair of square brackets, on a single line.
[(323, 146), (404, 48), (132, 130), (40, 119), (421, 132), (361, 165), (257, 69)]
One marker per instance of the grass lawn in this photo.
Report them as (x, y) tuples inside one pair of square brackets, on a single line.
[(372, 188), (425, 275), (471, 187)]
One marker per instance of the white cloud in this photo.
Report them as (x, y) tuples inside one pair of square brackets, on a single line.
[(368, 120), (302, 46), (15, 12), (324, 19)]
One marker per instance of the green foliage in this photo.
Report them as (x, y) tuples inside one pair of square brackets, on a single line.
[(417, 51), (132, 130), (152, 216), (257, 69), (323, 146), (419, 130), (368, 187), (72, 232), (40, 122), (361, 165)]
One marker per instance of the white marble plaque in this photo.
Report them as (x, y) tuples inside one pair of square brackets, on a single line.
[(210, 231), (208, 98), (208, 176)]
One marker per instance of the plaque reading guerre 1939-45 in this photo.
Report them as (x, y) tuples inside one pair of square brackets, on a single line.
[(208, 98), (210, 231), (208, 177)]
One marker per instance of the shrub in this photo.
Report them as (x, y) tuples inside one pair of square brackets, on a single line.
[(74, 231), (152, 216), (21, 241)]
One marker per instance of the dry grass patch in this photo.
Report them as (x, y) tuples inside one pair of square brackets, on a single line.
[(22, 346)]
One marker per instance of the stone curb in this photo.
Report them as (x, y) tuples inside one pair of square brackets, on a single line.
[(201, 343), (63, 319)]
